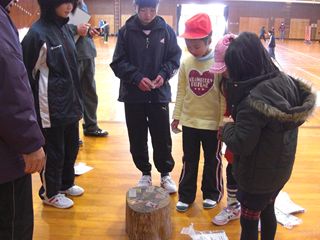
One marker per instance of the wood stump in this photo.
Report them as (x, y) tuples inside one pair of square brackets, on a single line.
[(148, 215)]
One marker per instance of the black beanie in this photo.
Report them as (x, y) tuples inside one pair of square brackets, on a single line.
[(47, 7), (146, 3), (4, 3)]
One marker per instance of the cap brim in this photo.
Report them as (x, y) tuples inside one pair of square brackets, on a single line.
[(193, 36)]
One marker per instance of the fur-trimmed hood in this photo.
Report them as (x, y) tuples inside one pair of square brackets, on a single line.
[(277, 96)]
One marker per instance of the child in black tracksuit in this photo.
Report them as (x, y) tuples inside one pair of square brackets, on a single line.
[(49, 54)]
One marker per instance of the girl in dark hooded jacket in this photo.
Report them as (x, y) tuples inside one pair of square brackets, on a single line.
[(268, 106), (50, 58)]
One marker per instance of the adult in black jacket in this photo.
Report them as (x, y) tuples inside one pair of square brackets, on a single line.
[(145, 58), (50, 58), (268, 108)]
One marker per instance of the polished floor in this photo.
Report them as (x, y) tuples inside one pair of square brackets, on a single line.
[(100, 213)]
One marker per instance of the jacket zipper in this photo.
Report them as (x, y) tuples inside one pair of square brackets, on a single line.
[(147, 42)]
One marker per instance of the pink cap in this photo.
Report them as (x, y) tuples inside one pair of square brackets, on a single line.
[(219, 65)]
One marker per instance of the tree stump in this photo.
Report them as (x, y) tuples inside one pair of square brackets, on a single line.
[(148, 214)]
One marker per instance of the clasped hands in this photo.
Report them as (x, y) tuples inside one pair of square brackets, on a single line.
[(147, 85)]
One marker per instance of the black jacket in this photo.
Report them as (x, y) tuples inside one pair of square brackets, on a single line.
[(268, 111), (49, 54), (138, 55)]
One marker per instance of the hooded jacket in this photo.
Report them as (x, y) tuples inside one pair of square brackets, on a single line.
[(19, 130), (268, 111), (138, 55), (50, 57)]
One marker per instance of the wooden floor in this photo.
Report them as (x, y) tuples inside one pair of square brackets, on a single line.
[(100, 212)]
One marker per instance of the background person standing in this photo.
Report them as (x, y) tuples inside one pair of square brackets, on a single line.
[(282, 30), (86, 53)]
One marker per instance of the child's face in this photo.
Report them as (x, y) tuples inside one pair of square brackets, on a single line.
[(64, 9), (147, 14), (198, 47)]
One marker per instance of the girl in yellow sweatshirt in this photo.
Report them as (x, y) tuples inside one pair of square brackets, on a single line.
[(199, 109)]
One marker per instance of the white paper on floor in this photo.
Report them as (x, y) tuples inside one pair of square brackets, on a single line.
[(203, 235), (81, 168), (284, 208)]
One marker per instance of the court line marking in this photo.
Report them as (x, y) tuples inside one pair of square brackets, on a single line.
[(295, 51), (305, 71)]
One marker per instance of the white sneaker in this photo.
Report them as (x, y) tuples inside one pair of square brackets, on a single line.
[(226, 215), (182, 207), (58, 201), (168, 184), (145, 181), (209, 203), (73, 191)]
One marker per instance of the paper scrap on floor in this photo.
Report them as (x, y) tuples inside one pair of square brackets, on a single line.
[(284, 208), (81, 168), (204, 235)]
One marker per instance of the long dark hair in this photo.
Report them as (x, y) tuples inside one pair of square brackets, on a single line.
[(247, 58)]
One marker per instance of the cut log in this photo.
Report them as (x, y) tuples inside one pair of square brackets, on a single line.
[(148, 215)]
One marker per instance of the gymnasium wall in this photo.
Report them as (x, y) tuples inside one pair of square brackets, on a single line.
[(243, 15)]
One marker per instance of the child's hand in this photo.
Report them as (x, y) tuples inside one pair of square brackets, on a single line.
[(94, 32), (227, 120), (145, 85), (174, 126), (82, 29), (158, 82)]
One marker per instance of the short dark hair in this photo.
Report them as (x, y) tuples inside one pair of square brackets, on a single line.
[(247, 58)]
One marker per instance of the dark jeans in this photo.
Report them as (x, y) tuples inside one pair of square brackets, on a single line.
[(16, 209), (212, 181), (62, 146), (90, 98), (154, 117)]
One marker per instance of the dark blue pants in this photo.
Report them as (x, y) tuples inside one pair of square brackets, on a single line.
[(153, 117), (62, 146), (212, 182), (16, 209)]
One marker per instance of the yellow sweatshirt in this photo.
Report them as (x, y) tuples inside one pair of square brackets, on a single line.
[(199, 102)]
